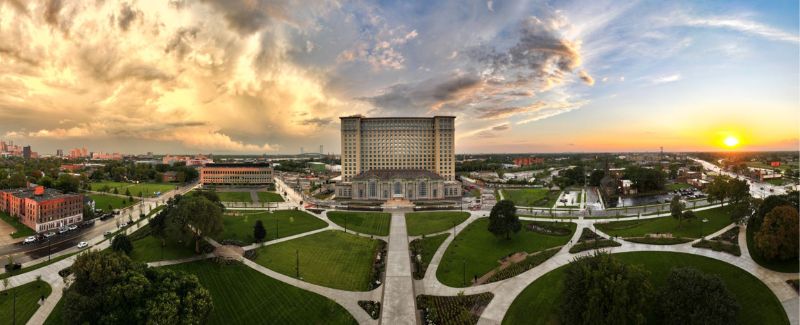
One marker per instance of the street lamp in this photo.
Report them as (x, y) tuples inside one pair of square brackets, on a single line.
[(701, 229)]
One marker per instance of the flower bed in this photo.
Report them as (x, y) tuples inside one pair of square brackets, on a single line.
[(549, 228), (460, 309), (378, 266), (373, 308), (518, 268), (719, 246), (592, 244)]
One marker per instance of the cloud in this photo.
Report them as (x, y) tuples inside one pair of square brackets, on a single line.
[(490, 5), (586, 77), (501, 127), (316, 121), (249, 16), (745, 26), (379, 44), (429, 95), (52, 8), (666, 79), (502, 112), (126, 16), (60, 133)]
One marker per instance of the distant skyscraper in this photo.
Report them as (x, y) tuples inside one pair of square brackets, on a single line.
[(320, 150), (302, 151), (26, 152), (59, 153)]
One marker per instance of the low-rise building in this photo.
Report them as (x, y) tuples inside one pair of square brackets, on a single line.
[(245, 174), (42, 209), (169, 177), (528, 161), (406, 184)]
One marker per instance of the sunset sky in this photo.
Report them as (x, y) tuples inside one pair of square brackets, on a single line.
[(253, 76)]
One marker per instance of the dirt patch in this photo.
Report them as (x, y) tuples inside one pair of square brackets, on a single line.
[(5, 233)]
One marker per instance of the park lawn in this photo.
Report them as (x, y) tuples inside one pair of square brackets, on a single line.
[(789, 266), (372, 223), (531, 197), (428, 247), (101, 202), (242, 295), (269, 197), (137, 190), (21, 229), (538, 303), (331, 258), (27, 301), (238, 225), (718, 218), (37, 265), (235, 197), (424, 223), (481, 250), (148, 249)]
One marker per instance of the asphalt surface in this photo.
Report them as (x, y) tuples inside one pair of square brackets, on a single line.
[(26, 252)]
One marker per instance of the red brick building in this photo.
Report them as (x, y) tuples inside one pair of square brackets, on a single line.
[(246, 174), (528, 161), (42, 209)]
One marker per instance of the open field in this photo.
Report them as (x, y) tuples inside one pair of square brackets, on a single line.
[(137, 190), (423, 223), (235, 197), (21, 230), (332, 258), (148, 249), (242, 295), (531, 197), (372, 223), (478, 251), (538, 303), (238, 225), (102, 201), (269, 197), (718, 218), (27, 301)]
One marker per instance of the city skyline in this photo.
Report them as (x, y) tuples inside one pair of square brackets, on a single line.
[(253, 77)]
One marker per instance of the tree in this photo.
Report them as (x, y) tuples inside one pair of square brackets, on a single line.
[(771, 202), (599, 289), (778, 236), (718, 190), (127, 192), (193, 218), (692, 297), (741, 209), (738, 190), (259, 233), (121, 243), (111, 289), (676, 208), (688, 215), (503, 219)]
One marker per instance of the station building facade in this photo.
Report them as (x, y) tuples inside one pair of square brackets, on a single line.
[(236, 174)]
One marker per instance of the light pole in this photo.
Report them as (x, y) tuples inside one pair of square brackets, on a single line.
[(297, 263), (464, 279), (701, 229)]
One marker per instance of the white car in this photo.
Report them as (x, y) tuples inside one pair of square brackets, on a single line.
[(73, 227), (49, 234), (107, 233), (123, 225), (29, 240), (62, 230), (83, 244)]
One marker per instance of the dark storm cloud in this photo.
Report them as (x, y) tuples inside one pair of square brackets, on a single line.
[(126, 16), (18, 5), (51, 10), (429, 94), (178, 43), (15, 54), (248, 16)]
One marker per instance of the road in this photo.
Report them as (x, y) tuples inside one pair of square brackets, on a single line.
[(23, 253), (757, 189)]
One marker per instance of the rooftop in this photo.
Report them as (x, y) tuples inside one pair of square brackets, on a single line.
[(29, 193), (234, 165)]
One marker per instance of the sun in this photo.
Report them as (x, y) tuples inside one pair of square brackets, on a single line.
[(731, 141)]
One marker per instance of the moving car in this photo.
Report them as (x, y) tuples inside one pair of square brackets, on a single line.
[(83, 244), (72, 227), (29, 240)]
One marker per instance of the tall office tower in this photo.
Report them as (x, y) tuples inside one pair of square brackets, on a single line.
[(320, 150), (59, 153), (26, 152), (399, 157)]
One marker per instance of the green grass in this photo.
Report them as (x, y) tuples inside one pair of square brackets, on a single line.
[(789, 266), (269, 197), (426, 248), (147, 189), (538, 303), (37, 265), (718, 218), (372, 223), (27, 301), (21, 229), (287, 222), (242, 295), (331, 258), (101, 201), (677, 186), (423, 223), (235, 197), (56, 315), (148, 249), (481, 250), (533, 197)]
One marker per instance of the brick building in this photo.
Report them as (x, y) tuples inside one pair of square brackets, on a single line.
[(42, 209), (528, 161), (246, 174)]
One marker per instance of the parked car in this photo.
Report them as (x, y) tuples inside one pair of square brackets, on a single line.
[(29, 240), (73, 227), (49, 234), (123, 225), (83, 244), (62, 230), (108, 233)]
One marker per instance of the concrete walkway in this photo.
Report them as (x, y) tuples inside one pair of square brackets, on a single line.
[(399, 302)]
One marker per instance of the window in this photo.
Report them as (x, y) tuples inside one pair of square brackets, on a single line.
[(423, 189), (373, 189), (398, 189)]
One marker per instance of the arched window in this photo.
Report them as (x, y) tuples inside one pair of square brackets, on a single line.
[(398, 188), (423, 189), (373, 189)]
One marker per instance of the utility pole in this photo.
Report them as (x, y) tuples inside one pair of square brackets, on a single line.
[(464, 279), (297, 263)]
